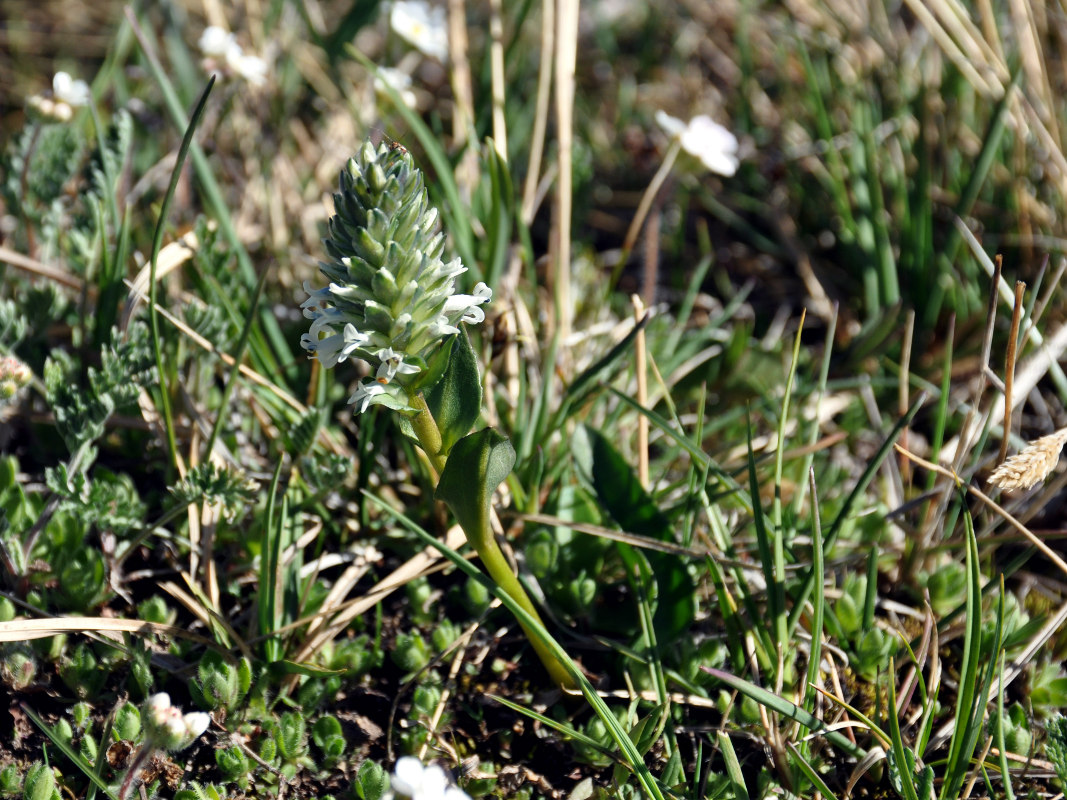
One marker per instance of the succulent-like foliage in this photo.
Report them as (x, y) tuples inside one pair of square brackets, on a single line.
[(391, 298)]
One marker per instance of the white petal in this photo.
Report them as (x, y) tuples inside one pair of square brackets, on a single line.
[(215, 41), (713, 144), (70, 91), (672, 125), (407, 775), (423, 26), (196, 723), (253, 69), (364, 396)]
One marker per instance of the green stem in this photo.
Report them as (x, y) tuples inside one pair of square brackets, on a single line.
[(480, 537)]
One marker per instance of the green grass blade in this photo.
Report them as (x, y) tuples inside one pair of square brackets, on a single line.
[(621, 737), (733, 766), (75, 757), (875, 464), (153, 288), (787, 709)]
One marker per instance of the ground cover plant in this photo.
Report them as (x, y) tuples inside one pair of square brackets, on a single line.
[(532, 400)]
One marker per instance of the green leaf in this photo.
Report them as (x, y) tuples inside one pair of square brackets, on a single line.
[(456, 400), (625, 499), (476, 466)]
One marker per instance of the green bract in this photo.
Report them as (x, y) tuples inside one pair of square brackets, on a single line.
[(391, 299)]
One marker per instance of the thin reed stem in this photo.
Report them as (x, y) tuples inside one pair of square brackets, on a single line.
[(1009, 367)]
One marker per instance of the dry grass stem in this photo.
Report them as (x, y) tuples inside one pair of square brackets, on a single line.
[(1032, 464), (1009, 366)]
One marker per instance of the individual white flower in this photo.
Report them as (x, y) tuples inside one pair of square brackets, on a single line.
[(469, 303), (167, 727), (397, 80), (365, 394), (252, 68), (67, 90), (414, 780), (392, 365), (215, 41), (423, 25), (704, 138), (336, 347)]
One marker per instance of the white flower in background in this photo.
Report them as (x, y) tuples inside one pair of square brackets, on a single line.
[(221, 47), (706, 139), (423, 25), (166, 726), (414, 780), (67, 90), (252, 68), (397, 80), (216, 41), (14, 374)]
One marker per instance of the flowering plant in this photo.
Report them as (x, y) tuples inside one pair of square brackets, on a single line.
[(391, 301)]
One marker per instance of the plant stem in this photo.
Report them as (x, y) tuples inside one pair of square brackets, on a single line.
[(484, 543)]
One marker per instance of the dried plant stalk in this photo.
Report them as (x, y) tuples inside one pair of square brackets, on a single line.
[(1032, 464)]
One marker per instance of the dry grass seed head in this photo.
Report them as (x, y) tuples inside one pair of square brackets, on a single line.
[(1032, 464)]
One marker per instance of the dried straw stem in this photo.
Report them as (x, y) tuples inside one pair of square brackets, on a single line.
[(1009, 366)]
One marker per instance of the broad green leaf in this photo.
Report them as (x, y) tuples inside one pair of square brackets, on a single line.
[(456, 400), (476, 466), (625, 499)]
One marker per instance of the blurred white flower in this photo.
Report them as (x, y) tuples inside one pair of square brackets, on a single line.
[(397, 80), (221, 47), (706, 139), (215, 41), (167, 727), (252, 68), (423, 782), (423, 25), (14, 374), (69, 91)]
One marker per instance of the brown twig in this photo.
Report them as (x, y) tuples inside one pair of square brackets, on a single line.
[(1009, 367)]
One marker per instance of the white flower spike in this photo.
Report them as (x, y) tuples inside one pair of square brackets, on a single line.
[(422, 25), (390, 299), (705, 139)]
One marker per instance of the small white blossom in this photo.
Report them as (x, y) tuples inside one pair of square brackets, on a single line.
[(336, 347), (706, 139), (469, 303), (392, 365), (423, 25), (414, 780), (252, 68), (397, 80), (167, 727), (215, 41), (365, 394), (67, 90)]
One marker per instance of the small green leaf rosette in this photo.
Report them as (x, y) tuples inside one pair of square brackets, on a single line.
[(390, 299)]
